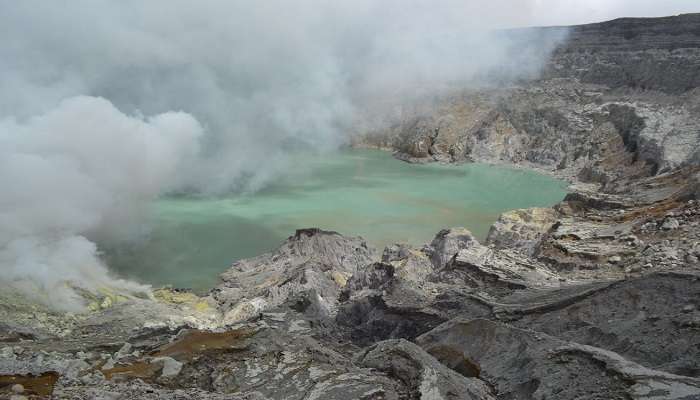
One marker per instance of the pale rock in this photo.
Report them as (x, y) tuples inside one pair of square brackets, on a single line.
[(670, 224), (171, 367)]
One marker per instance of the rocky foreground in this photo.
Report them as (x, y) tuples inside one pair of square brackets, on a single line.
[(595, 298)]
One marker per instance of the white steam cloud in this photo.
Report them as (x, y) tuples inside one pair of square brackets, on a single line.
[(82, 168), (254, 80)]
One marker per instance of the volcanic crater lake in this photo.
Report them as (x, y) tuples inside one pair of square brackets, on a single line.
[(354, 192)]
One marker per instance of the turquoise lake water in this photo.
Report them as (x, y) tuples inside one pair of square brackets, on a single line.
[(354, 192)]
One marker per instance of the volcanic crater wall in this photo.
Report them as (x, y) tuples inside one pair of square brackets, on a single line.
[(618, 98), (597, 297), (645, 53)]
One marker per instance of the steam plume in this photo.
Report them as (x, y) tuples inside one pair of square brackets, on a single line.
[(254, 80)]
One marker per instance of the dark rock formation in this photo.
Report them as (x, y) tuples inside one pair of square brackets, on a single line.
[(639, 53), (425, 376), (524, 364)]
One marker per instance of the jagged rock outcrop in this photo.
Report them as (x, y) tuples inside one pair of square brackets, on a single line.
[(617, 99), (625, 229), (313, 262), (426, 377), (521, 229), (575, 130), (449, 242), (650, 320), (379, 302), (525, 364), (623, 337)]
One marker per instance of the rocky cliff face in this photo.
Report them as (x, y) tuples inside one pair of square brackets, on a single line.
[(619, 98), (597, 297), (639, 53), (578, 131)]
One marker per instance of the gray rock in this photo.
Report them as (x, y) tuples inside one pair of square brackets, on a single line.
[(523, 364), (521, 229), (645, 53), (424, 375), (171, 367), (670, 223), (610, 315), (311, 260), (633, 269), (449, 242), (380, 303), (124, 351)]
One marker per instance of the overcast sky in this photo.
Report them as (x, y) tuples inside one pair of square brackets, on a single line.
[(568, 12), (518, 13)]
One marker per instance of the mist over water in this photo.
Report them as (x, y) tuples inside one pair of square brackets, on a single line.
[(354, 192), (106, 106)]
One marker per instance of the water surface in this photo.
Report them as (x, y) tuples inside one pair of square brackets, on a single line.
[(355, 192)]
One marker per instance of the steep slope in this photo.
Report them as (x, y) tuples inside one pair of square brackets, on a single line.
[(645, 53), (618, 98)]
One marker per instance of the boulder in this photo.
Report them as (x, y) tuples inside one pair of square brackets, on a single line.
[(311, 260), (521, 229), (449, 242), (425, 377)]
